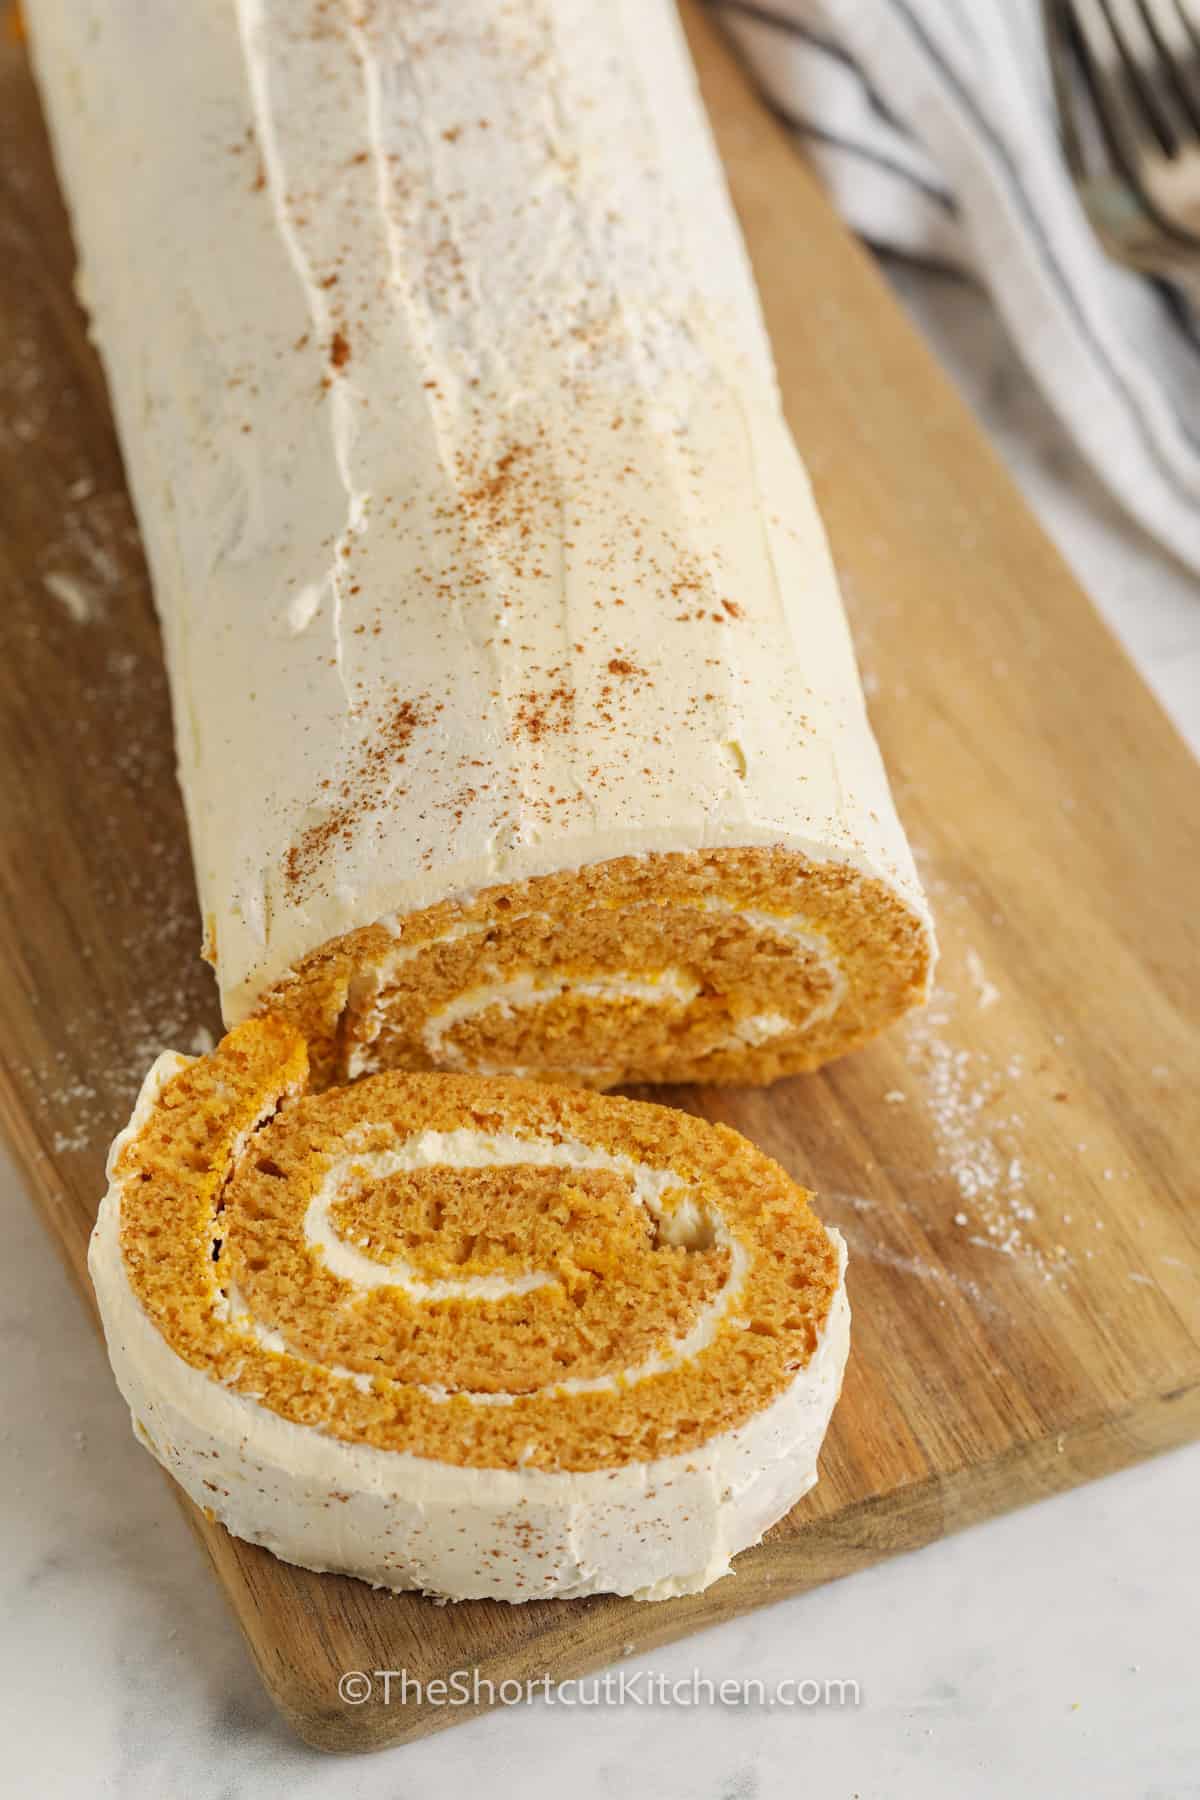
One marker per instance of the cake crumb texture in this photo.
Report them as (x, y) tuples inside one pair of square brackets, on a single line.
[(725, 965), (644, 1283)]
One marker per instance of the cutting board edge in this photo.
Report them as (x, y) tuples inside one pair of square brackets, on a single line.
[(874, 1531)]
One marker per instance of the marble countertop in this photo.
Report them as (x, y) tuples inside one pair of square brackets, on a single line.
[(1051, 1653)]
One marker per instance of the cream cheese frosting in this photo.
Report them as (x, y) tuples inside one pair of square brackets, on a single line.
[(481, 546), (652, 1529)]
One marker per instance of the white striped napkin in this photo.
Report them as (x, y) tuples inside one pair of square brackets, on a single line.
[(932, 123)]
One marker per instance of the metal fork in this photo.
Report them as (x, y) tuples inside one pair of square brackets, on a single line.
[(1127, 80)]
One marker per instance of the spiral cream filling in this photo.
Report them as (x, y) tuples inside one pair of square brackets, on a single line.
[(678, 1220), (471, 1335), (717, 965), (685, 1224), (673, 989), (370, 1258)]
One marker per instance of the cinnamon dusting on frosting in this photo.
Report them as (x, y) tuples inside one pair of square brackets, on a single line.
[(368, 786)]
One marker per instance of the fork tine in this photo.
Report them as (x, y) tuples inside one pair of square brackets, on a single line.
[(1178, 54), (1189, 12), (1104, 65), (1145, 73), (1143, 205), (1112, 206)]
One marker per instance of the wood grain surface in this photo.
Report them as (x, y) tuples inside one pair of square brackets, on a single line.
[(1015, 1171)]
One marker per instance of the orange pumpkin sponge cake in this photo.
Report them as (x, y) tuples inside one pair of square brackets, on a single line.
[(738, 965), (474, 1336), (517, 715)]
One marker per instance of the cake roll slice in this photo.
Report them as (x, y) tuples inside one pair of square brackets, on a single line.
[(517, 715), (477, 1337)]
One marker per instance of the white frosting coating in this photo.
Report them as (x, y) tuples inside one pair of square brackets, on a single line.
[(402, 1521), (453, 430)]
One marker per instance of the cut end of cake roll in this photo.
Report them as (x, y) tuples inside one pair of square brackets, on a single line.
[(726, 965), (465, 1335), (518, 721)]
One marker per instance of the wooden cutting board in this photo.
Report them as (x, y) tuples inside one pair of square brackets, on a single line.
[(1015, 1171)]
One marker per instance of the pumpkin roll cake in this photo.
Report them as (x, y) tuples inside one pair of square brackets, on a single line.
[(469, 1335), (518, 721)]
